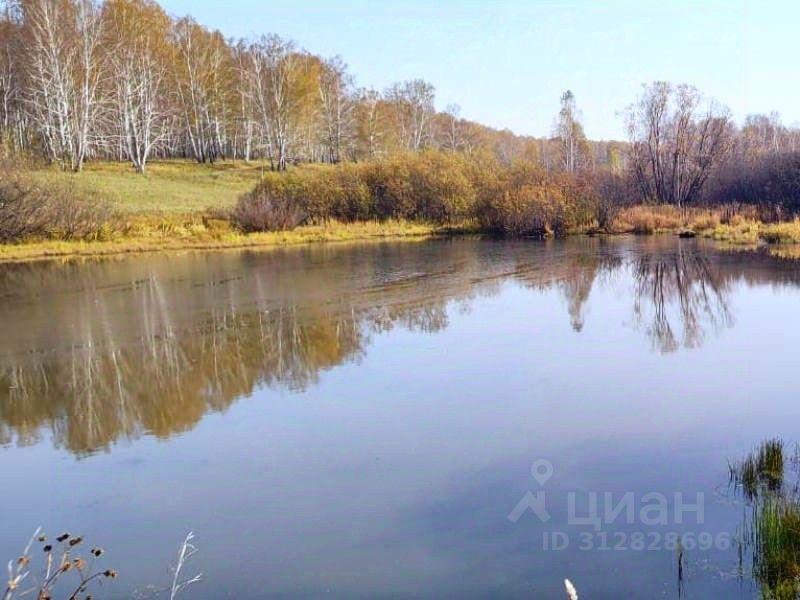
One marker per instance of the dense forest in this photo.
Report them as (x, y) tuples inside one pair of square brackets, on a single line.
[(121, 80)]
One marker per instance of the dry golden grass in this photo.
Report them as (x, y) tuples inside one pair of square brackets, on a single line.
[(647, 218), (742, 231), (738, 231), (196, 232), (703, 220), (781, 233), (644, 219), (733, 225)]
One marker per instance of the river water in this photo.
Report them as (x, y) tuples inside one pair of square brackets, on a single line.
[(456, 417)]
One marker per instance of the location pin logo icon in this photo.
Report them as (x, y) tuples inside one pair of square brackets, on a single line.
[(542, 471)]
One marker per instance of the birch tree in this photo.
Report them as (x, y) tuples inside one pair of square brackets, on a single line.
[(336, 99), (11, 110), (138, 29), (571, 137), (201, 66), (454, 137), (412, 102), (65, 71), (367, 115), (283, 92), (245, 90)]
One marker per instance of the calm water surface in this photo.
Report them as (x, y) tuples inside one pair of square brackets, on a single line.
[(364, 420)]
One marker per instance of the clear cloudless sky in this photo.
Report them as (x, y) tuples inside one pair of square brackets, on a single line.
[(506, 62)]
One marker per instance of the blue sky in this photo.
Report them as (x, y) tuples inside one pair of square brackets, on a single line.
[(506, 62)]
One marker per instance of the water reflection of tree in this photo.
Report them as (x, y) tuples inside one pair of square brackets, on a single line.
[(168, 379), (574, 273), (579, 280), (150, 357), (690, 284), (102, 352)]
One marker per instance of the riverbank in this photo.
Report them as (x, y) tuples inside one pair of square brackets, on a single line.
[(198, 233), (749, 232), (155, 232), (742, 230), (179, 205)]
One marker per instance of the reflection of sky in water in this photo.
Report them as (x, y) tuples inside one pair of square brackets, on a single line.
[(394, 469)]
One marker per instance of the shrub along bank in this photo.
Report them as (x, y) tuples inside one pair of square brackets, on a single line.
[(434, 187)]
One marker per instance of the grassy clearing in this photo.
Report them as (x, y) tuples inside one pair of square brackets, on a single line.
[(180, 205), (167, 187), (194, 232)]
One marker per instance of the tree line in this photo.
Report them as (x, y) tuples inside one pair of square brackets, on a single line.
[(123, 80), (685, 150)]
